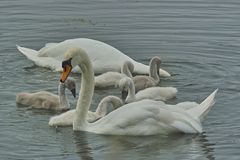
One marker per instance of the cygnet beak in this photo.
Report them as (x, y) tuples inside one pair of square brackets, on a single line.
[(73, 91)]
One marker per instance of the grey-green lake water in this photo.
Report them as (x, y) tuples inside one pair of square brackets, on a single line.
[(198, 41)]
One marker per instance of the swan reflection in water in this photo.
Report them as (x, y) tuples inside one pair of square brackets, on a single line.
[(183, 146), (83, 148)]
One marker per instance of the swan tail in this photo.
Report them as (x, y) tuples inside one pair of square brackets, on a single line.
[(29, 53), (46, 62), (140, 68), (202, 110)]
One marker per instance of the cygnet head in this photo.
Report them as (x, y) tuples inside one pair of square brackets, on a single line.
[(124, 85), (72, 58), (70, 84), (156, 59)]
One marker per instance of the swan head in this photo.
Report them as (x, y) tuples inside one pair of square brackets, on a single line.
[(72, 58), (124, 85), (157, 61), (70, 84)]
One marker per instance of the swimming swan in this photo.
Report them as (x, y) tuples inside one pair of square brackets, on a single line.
[(142, 81), (66, 119), (154, 93), (111, 79), (146, 117), (47, 100), (103, 56)]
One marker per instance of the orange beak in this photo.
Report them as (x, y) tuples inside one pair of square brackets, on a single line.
[(66, 71)]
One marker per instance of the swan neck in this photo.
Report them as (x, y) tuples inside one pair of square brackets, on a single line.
[(85, 96), (62, 96), (112, 101), (131, 93), (154, 67), (125, 70), (102, 108)]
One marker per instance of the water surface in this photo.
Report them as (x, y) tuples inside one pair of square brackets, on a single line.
[(198, 41)]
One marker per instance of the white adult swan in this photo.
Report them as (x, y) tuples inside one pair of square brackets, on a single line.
[(111, 79), (66, 119), (146, 117), (47, 100), (143, 81), (154, 93), (103, 56)]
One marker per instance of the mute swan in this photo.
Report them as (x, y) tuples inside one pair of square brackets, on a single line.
[(103, 56), (142, 81), (110, 79), (47, 100), (66, 119), (154, 93), (146, 117)]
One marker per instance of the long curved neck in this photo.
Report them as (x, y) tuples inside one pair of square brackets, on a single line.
[(154, 71), (131, 93), (85, 96), (104, 103), (62, 96), (102, 107), (125, 70)]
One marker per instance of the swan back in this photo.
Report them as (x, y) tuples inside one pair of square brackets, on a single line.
[(64, 119), (39, 100), (146, 117), (157, 93)]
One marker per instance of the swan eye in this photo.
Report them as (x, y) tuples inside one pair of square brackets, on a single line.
[(66, 63)]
